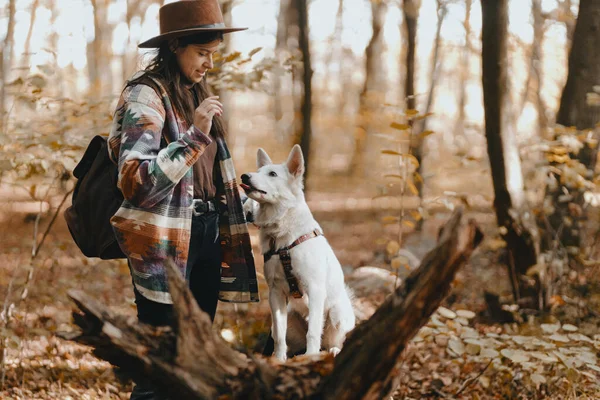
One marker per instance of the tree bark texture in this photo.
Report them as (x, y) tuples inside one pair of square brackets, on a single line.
[(464, 73), (27, 49), (335, 43), (99, 51), (369, 94), (410, 11), (7, 58), (194, 362), (567, 222), (533, 85), (584, 69), (304, 136), (418, 140), (514, 219), (283, 127)]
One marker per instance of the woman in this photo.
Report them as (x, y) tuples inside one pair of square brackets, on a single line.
[(181, 197)]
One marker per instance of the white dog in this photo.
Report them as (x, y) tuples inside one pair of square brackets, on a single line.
[(282, 215)]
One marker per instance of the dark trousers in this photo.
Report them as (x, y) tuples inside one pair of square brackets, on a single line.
[(203, 272)]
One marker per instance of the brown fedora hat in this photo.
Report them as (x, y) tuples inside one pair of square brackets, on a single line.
[(187, 17)]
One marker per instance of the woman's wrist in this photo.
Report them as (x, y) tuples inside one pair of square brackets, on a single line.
[(198, 135)]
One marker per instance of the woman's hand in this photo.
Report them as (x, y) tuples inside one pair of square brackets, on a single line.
[(203, 115)]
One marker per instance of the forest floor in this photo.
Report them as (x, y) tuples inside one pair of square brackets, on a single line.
[(459, 354)]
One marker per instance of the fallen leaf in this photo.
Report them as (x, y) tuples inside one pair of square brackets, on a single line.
[(559, 338), (446, 313), (456, 345), (465, 314), (517, 356), (550, 328)]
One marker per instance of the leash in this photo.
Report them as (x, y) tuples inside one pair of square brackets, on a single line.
[(286, 260)]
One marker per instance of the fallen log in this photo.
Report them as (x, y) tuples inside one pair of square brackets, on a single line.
[(193, 362)]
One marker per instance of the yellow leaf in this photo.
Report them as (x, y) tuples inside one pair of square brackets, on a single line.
[(233, 56), (254, 51), (401, 127), (496, 244), (410, 224), (396, 176), (413, 189), (411, 112), (413, 159), (392, 247), (559, 150), (389, 219), (424, 134), (32, 191), (560, 159), (417, 177), (423, 116), (416, 215), (410, 157)]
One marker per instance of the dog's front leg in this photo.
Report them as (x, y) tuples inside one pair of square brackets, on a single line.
[(316, 309), (278, 303)]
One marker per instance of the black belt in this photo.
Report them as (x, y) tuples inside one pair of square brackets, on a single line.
[(200, 206)]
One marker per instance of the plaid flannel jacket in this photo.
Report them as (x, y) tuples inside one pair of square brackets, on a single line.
[(156, 178)]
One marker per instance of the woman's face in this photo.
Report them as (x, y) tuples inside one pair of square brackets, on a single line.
[(196, 59)]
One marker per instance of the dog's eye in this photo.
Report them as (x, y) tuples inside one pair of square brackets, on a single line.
[(273, 173)]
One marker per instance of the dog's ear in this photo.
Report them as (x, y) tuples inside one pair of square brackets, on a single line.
[(262, 158), (295, 161)]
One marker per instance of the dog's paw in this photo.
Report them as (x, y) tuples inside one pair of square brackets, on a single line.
[(335, 351), (281, 356), (312, 349)]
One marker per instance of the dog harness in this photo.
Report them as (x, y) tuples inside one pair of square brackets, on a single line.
[(286, 260)]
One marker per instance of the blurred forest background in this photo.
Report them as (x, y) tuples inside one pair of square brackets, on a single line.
[(405, 109)]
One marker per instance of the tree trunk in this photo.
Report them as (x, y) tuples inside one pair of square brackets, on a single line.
[(417, 142), (59, 73), (193, 362), (368, 96), (533, 84), (129, 57), (512, 214), (569, 19), (27, 50), (335, 43), (286, 24), (410, 10), (224, 97), (584, 70), (304, 136), (7, 59), (567, 220), (99, 51), (539, 31), (464, 69)]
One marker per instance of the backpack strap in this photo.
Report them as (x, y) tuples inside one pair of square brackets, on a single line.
[(143, 78)]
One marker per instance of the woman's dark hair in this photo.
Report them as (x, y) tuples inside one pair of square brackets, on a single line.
[(164, 68)]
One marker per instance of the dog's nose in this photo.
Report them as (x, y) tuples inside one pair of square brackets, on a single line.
[(246, 179)]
